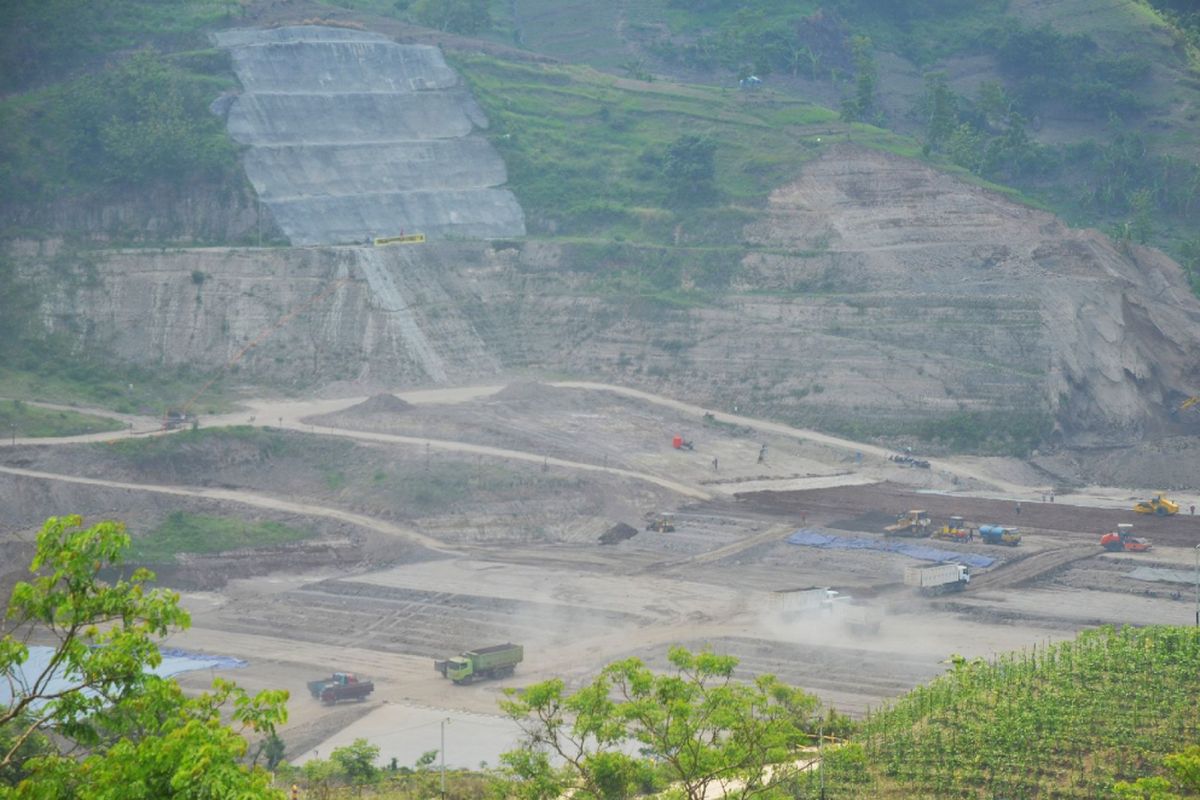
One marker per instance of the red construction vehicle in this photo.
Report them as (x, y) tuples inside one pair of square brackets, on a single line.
[(1123, 540)]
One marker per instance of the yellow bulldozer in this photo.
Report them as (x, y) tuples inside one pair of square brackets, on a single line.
[(1158, 505), (914, 523)]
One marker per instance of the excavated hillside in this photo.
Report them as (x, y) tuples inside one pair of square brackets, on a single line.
[(874, 291)]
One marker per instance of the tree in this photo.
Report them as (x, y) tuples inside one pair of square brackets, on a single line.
[(940, 109), (689, 170), (1185, 771), (456, 16), (694, 729), (862, 107), (357, 761), (92, 722)]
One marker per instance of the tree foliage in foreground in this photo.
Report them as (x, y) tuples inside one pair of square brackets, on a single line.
[(1184, 781), (632, 731), (92, 722)]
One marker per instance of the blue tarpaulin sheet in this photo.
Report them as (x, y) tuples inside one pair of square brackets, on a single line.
[(807, 537)]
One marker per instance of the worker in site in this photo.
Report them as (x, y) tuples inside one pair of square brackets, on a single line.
[(762, 454)]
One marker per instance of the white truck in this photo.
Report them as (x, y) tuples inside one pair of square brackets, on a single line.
[(937, 578), (792, 603)]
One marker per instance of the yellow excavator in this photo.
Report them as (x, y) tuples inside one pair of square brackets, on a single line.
[(914, 523), (1158, 505), (1186, 404)]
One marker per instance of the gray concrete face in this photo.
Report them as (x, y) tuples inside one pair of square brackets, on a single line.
[(351, 136)]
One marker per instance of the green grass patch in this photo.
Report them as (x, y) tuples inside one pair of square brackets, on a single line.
[(182, 532), (186, 449), (104, 383), (18, 418)]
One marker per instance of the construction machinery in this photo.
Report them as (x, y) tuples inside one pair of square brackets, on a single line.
[(914, 523), (955, 530), (175, 418), (1122, 540), (904, 459), (1158, 505), (793, 603), (497, 661), (1186, 404), (341, 686), (999, 534), (937, 578), (663, 523)]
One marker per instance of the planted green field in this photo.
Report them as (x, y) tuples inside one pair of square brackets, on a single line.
[(1064, 721), (181, 532), (20, 419)]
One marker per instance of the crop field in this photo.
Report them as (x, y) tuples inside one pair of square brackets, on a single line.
[(1064, 721)]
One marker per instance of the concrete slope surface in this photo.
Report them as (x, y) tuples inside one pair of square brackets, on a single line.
[(352, 136)]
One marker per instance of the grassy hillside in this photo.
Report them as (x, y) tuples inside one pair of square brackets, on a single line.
[(590, 155), (1094, 109), (1064, 721)]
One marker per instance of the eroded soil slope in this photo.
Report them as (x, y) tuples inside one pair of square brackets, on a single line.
[(873, 295)]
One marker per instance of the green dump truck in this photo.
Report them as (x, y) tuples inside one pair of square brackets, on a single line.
[(496, 661)]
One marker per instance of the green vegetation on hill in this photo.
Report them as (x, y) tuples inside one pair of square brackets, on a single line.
[(138, 124), (1066, 720), (18, 418), (46, 40), (590, 155), (1113, 155), (182, 532)]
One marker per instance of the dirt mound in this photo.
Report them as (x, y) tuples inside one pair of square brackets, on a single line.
[(618, 533), (524, 393), (380, 404)]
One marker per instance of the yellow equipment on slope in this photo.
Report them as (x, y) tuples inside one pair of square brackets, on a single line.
[(411, 238), (1159, 505), (1191, 401)]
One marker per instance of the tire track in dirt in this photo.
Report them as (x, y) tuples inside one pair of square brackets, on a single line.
[(1026, 570)]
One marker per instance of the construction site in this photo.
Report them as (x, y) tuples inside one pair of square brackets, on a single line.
[(501, 470), (463, 518)]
